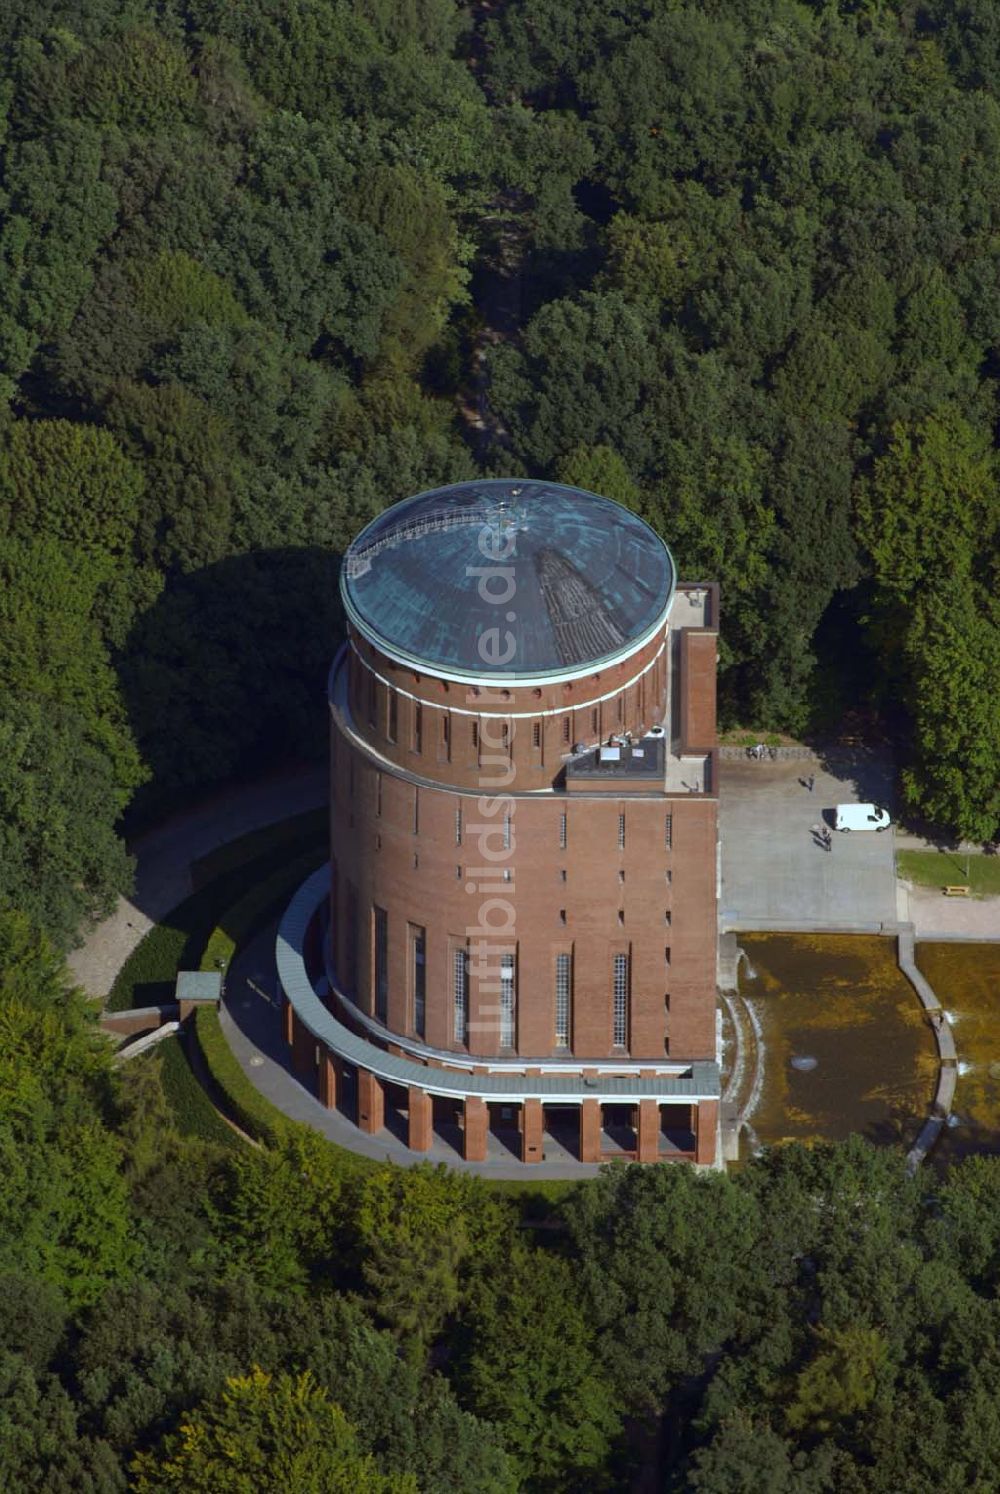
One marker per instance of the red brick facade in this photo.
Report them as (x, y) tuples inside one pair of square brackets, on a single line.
[(624, 869)]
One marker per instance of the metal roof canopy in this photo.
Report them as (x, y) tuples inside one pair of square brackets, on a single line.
[(700, 1083)]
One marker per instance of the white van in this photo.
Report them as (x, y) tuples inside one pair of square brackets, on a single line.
[(860, 817)]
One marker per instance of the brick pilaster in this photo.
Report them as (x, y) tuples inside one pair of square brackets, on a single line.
[(420, 1130), (477, 1122), (532, 1129), (590, 1131), (303, 1048), (371, 1102), (328, 1079), (706, 1121), (648, 1131)]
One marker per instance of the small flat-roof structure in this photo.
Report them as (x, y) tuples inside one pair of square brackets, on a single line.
[(643, 759), (198, 985)]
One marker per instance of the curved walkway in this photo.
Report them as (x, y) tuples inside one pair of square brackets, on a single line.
[(163, 864), (251, 1020), (945, 1039)]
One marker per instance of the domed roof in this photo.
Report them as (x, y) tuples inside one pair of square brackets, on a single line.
[(507, 578)]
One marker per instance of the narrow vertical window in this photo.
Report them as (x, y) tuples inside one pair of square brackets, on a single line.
[(418, 726), (621, 709), (416, 811), (566, 728), (334, 910), (505, 735), (564, 999), (445, 731), (507, 1001), (536, 734), (668, 831), (392, 727), (351, 940), (621, 832), (458, 826), (475, 733), (562, 832), (381, 964), (595, 721), (419, 977), (619, 1025), (460, 994), (378, 795), (506, 832)]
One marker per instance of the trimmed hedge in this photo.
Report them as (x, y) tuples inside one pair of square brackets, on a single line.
[(247, 1106), (179, 942), (265, 899), (311, 827), (249, 1109), (252, 1111), (149, 974), (194, 1113)]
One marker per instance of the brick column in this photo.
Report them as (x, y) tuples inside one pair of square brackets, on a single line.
[(287, 1019), (421, 1119), (371, 1102), (328, 1079), (477, 1124), (706, 1120), (303, 1048), (590, 1131), (532, 1128), (648, 1131)]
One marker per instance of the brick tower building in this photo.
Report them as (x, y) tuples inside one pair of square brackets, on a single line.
[(522, 917)]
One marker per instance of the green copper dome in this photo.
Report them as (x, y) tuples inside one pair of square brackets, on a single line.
[(506, 578)]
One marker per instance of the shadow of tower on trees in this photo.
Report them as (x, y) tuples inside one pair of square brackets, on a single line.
[(225, 676)]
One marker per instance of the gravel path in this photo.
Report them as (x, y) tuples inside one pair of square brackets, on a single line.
[(938, 917), (163, 864)]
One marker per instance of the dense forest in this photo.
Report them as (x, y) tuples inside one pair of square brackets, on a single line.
[(176, 1316), (267, 266)]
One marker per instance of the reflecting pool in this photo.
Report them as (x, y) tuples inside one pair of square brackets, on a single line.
[(966, 980), (846, 1046)]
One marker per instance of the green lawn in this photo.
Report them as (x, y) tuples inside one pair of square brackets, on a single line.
[(739, 736), (178, 943), (289, 836), (270, 862), (948, 869)]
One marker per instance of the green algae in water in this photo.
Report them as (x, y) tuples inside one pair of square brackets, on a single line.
[(966, 981), (843, 1001)]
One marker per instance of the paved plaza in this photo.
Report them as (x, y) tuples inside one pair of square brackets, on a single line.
[(775, 875)]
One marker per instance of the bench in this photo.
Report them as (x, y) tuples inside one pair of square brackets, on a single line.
[(962, 891)]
